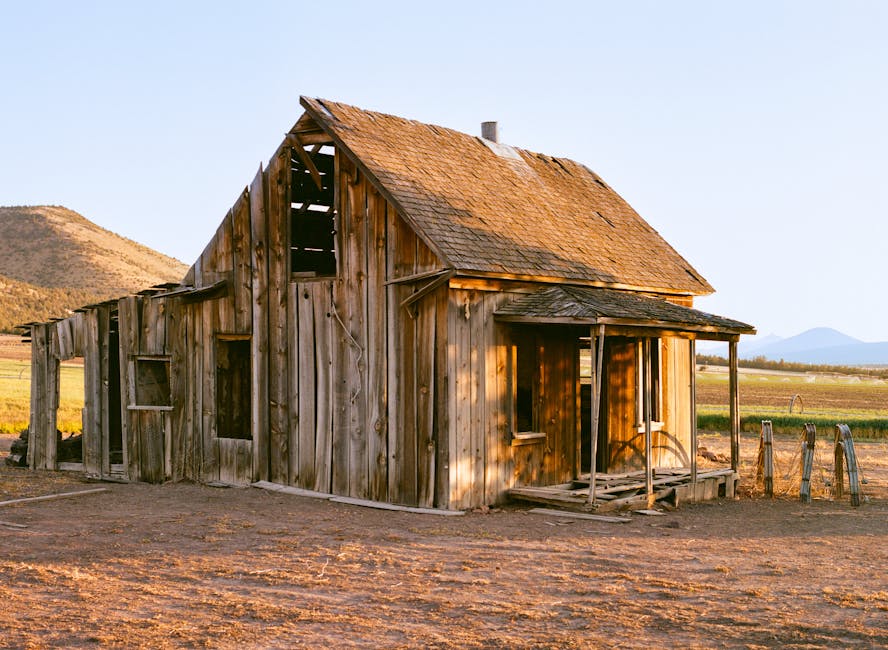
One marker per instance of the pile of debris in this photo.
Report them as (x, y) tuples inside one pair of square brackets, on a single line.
[(68, 450), (18, 451)]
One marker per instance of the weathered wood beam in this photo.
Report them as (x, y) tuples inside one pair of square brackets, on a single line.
[(635, 329), (53, 497), (416, 277), (313, 137), (597, 369), (692, 358), (426, 289), (299, 147), (648, 464), (734, 387)]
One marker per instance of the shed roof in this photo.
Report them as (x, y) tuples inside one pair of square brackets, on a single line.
[(594, 306), (491, 210)]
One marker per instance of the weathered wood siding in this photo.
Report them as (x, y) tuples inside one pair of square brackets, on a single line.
[(145, 325), (673, 445), (625, 446), (327, 353), (384, 382), (44, 398), (484, 463), (85, 334), (670, 447)]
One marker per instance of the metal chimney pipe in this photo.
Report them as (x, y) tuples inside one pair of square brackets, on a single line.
[(490, 131)]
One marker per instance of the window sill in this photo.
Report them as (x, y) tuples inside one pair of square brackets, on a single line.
[(528, 438), (304, 276), (655, 426), (143, 407)]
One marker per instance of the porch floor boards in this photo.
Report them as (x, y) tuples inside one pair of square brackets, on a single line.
[(625, 491)]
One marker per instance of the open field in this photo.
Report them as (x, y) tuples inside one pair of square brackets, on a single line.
[(192, 566), (823, 399), (15, 391)]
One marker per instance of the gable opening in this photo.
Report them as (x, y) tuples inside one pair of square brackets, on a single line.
[(312, 211)]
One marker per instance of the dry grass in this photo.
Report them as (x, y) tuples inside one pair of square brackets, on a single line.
[(15, 391)]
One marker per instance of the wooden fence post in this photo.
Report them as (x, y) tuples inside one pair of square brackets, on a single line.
[(844, 451), (807, 461), (765, 465)]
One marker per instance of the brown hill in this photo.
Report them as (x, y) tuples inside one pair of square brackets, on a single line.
[(53, 260)]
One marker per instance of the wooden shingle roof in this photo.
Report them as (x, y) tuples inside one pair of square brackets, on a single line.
[(595, 306), (492, 210)]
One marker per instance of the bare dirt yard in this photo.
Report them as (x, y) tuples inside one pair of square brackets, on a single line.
[(186, 565)]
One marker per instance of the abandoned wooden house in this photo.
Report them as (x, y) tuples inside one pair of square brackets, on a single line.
[(400, 312)]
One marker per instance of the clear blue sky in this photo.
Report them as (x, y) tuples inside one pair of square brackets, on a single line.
[(753, 135)]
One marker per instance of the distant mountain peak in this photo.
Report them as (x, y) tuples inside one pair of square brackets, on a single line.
[(820, 345), (826, 334)]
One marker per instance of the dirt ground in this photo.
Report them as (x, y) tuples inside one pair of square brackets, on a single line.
[(194, 566)]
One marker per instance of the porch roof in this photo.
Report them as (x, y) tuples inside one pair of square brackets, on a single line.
[(617, 309)]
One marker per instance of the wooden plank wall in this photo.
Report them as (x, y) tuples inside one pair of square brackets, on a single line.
[(194, 325), (44, 398), (416, 340), (277, 181), (259, 325), (95, 384), (482, 464), (625, 448), (144, 325), (672, 446)]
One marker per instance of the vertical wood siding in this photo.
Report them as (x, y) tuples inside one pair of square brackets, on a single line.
[(351, 392)]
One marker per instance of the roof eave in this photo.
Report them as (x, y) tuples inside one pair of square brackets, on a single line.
[(555, 280), (699, 331)]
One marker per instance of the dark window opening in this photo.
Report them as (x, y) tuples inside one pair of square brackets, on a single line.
[(524, 375), (152, 382), (233, 388), (525, 379), (312, 212)]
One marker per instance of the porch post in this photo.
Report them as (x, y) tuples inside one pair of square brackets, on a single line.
[(735, 405), (693, 388), (648, 467), (597, 362)]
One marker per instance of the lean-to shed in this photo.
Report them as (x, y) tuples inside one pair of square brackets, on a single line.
[(400, 312)]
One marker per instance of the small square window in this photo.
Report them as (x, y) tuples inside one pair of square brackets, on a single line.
[(152, 381)]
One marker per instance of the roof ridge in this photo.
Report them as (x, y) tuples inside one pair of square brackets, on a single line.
[(489, 214)]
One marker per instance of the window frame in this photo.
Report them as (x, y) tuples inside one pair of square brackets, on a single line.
[(657, 420), (535, 434), (135, 398)]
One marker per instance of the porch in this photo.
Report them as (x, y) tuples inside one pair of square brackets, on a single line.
[(641, 406), (612, 492)]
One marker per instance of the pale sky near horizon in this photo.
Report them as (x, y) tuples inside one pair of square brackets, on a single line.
[(752, 135)]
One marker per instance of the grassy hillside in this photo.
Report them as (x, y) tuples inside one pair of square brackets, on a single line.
[(21, 302), (53, 260)]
